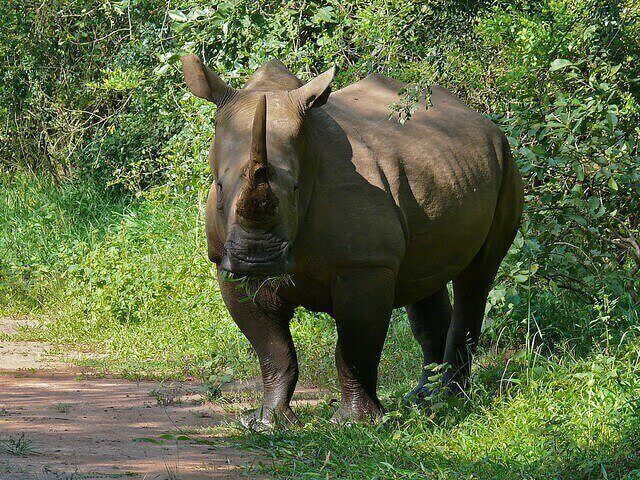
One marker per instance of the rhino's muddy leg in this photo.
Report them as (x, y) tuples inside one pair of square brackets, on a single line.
[(362, 304), (429, 319), (265, 323), (470, 291)]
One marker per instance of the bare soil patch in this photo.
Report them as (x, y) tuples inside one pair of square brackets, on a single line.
[(18, 355), (28, 356), (107, 428), (58, 423)]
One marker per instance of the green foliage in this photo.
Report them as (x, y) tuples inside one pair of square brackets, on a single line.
[(574, 131), (562, 421), (20, 446)]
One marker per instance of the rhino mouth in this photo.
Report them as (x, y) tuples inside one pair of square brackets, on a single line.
[(259, 255)]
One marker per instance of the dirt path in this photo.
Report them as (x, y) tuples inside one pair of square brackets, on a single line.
[(106, 428), (24, 355), (58, 423)]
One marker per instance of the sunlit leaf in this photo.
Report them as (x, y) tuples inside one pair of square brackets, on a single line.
[(559, 64)]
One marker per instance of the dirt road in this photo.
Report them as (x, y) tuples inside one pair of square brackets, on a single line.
[(57, 422), (107, 428)]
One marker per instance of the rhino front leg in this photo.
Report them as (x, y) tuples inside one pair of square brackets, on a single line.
[(362, 304), (264, 320)]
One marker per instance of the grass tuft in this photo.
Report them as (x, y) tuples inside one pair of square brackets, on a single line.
[(18, 446)]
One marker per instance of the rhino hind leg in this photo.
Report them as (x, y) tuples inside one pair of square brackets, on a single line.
[(470, 291), (429, 320), (470, 298), (471, 287), (362, 305)]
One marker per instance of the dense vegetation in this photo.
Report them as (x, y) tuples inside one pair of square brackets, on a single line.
[(104, 175)]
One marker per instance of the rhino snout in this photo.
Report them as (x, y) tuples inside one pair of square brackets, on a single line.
[(257, 257)]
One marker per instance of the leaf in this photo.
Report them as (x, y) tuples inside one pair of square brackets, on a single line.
[(539, 370), (613, 185), (177, 15), (521, 278), (148, 440), (162, 69), (121, 5), (559, 64), (588, 32), (323, 14), (578, 219)]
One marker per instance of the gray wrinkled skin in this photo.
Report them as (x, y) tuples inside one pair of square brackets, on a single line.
[(365, 214)]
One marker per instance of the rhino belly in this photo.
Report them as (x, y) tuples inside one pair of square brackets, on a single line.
[(444, 233)]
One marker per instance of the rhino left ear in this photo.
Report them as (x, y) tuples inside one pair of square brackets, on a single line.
[(315, 93)]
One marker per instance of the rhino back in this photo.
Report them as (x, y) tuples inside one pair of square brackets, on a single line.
[(418, 198)]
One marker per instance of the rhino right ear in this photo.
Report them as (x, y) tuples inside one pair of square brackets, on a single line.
[(315, 93), (202, 82)]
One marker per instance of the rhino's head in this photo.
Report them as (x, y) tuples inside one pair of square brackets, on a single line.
[(256, 163)]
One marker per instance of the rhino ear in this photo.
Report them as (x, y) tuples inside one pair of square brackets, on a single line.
[(202, 82), (315, 93)]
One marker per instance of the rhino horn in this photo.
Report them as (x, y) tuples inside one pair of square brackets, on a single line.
[(258, 204), (259, 165)]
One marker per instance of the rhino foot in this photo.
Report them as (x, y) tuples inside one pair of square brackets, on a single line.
[(456, 385), (261, 420), (419, 395), (361, 412)]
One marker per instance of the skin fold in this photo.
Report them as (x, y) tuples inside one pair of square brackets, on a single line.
[(362, 214)]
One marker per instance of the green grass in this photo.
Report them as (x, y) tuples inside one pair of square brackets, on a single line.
[(556, 384), (549, 417), (17, 446), (553, 426)]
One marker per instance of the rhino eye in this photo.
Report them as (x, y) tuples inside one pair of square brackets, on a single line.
[(219, 194)]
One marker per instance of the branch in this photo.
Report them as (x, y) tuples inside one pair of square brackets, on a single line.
[(570, 287)]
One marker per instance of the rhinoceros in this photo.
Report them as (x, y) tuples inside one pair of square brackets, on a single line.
[(362, 215)]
